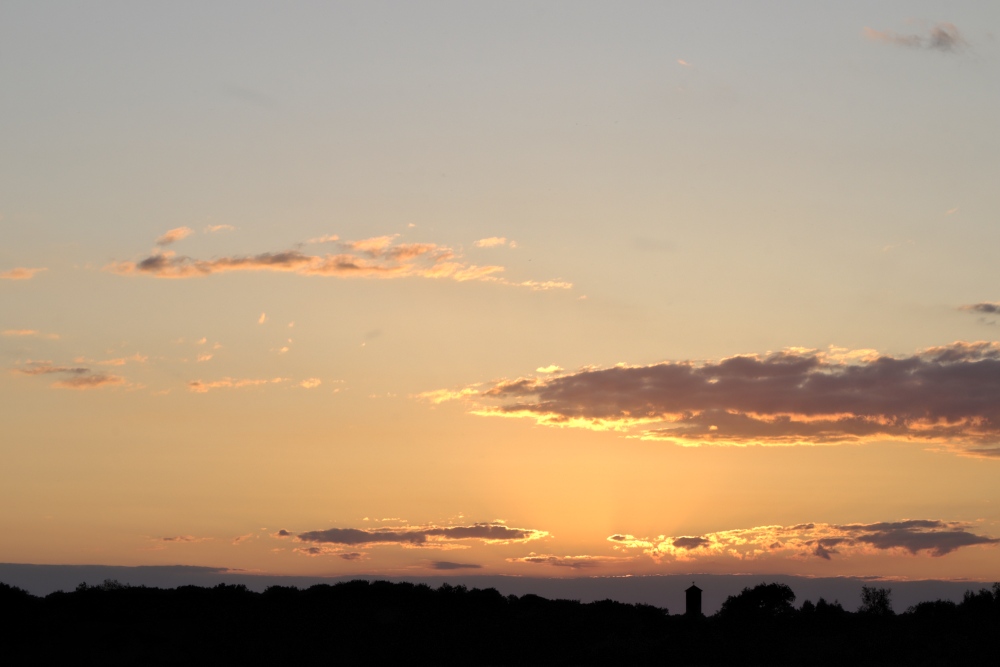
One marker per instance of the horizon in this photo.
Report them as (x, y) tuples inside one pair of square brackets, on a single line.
[(659, 590), (423, 289)]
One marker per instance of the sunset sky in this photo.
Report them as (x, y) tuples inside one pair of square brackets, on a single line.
[(542, 289)]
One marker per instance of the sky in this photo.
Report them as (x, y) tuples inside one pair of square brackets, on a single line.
[(547, 289)]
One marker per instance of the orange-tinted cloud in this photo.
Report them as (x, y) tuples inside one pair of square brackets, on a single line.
[(20, 273), (201, 387), (174, 235), (377, 257), (826, 541), (947, 396), (76, 377), (32, 333), (488, 533), (939, 37)]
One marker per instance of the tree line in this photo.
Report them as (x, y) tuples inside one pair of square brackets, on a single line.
[(367, 622)]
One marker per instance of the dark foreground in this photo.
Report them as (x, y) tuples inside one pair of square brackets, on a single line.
[(362, 622)]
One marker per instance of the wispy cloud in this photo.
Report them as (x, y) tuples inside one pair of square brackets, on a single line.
[(941, 36), (174, 235), (74, 377), (920, 537), (184, 539), (330, 551), (20, 273), (201, 387), (213, 229), (571, 562), (948, 396), (30, 333), (376, 257), (494, 241), (422, 536)]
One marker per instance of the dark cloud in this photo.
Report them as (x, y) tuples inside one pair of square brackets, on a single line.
[(422, 536), (935, 537), (985, 308), (948, 395), (941, 36), (352, 555), (447, 565), (282, 533), (690, 542)]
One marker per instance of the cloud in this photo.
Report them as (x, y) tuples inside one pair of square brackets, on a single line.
[(448, 565), (917, 537), (493, 242), (985, 308), (572, 562), (241, 539), (376, 257), (327, 551), (212, 229), (947, 396), (200, 387), (77, 377), (20, 273), (183, 538), (262, 319), (690, 542), (552, 368), (941, 36), (310, 383), (488, 533), (89, 381), (174, 235), (282, 534), (30, 333)]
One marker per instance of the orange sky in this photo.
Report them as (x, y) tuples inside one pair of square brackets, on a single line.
[(546, 290)]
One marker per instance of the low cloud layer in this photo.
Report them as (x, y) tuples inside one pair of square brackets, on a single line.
[(19, 273), (71, 377), (570, 562), (920, 537), (376, 257), (448, 565), (943, 37), (947, 396), (422, 536)]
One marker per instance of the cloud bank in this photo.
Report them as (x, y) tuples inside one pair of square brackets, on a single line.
[(947, 396), (917, 537), (376, 257)]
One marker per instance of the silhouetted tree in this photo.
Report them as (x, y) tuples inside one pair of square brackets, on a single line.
[(876, 601), (763, 601)]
